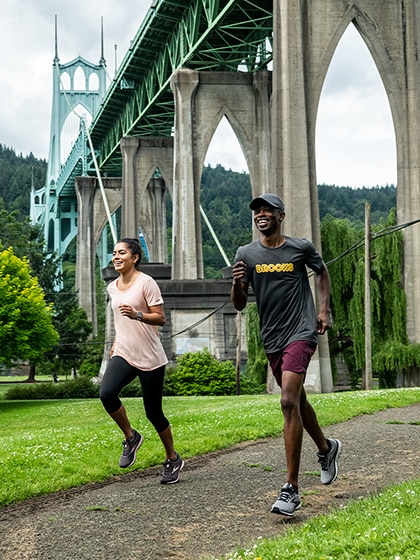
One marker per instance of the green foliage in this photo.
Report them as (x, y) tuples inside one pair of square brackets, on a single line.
[(387, 297), (394, 357), (256, 367), (17, 174), (79, 388), (27, 241), (200, 373), (345, 202), (250, 387), (73, 327), (26, 328), (68, 318), (92, 353)]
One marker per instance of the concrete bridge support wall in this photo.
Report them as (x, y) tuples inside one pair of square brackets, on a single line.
[(91, 221), (202, 99), (144, 190), (305, 38), (275, 124)]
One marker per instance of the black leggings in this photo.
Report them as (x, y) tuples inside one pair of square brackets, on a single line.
[(120, 373)]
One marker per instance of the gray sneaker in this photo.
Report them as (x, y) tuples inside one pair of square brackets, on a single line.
[(287, 502), (329, 467), (128, 456), (171, 470)]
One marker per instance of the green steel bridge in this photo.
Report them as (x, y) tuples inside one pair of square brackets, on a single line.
[(210, 35)]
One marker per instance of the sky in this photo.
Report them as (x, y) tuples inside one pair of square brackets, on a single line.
[(355, 141)]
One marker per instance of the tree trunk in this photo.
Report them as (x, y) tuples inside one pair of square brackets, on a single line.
[(31, 376)]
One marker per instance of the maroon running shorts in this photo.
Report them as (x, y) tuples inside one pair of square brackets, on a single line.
[(295, 357)]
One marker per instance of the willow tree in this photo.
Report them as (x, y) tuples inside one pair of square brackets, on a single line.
[(256, 366), (343, 250), (342, 253)]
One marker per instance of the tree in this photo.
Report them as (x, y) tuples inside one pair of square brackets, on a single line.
[(342, 248), (26, 329), (69, 319), (72, 324), (256, 365)]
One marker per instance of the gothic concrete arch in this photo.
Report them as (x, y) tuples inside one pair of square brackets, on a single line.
[(201, 101), (147, 176), (91, 221)]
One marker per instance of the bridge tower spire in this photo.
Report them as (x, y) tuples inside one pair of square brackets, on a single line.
[(79, 86)]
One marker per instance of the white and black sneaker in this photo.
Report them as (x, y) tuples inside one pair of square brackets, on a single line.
[(171, 470), (287, 502), (329, 466), (131, 445)]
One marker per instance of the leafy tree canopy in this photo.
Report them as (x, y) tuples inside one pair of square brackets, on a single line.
[(26, 329), (17, 175)]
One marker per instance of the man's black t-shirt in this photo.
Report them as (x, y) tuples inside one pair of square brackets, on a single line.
[(279, 278)]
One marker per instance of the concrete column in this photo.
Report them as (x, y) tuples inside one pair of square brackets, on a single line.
[(259, 160), (187, 257), (85, 252), (293, 160), (408, 158), (129, 214), (290, 161), (147, 172), (156, 190)]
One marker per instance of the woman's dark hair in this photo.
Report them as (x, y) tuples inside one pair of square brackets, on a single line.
[(134, 246)]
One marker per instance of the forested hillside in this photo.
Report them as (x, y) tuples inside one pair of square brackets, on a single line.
[(225, 197), (16, 175)]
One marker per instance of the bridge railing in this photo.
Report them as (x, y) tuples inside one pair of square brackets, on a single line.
[(78, 155)]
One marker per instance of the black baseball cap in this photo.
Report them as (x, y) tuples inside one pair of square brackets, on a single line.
[(267, 198)]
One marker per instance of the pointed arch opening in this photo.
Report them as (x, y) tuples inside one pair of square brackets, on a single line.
[(225, 184), (71, 128), (93, 82), (355, 139), (65, 81), (79, 80)]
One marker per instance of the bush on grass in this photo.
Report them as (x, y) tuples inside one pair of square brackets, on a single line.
[(200, 373), (79, 388), (196, 373)]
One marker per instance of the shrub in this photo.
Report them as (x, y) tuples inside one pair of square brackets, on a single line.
[(79, 388), (251, 387), (133, 389), (200, 373)]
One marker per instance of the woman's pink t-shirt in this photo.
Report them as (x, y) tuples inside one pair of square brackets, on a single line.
[(138, 343)]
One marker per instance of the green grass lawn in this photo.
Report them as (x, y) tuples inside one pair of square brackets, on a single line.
[(382, 527), (53, 445), (46, 446)]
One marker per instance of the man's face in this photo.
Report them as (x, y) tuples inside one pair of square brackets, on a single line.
[(268, 219)]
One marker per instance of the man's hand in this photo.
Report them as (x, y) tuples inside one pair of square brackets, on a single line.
[(323, 322), (238, 271), (239, 290)]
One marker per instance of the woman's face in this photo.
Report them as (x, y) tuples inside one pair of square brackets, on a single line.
[(123, 259)]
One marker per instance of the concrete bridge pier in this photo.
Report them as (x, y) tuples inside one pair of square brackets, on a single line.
[(147, 177), (91, 221)]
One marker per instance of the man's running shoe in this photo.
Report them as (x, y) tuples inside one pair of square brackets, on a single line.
[(287, 502), (128, 456), (171, 470), (329, 467)]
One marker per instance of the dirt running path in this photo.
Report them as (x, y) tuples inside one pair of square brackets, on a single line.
[(222, 500)]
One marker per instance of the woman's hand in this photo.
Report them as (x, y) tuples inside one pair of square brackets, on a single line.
[(128, 311)]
